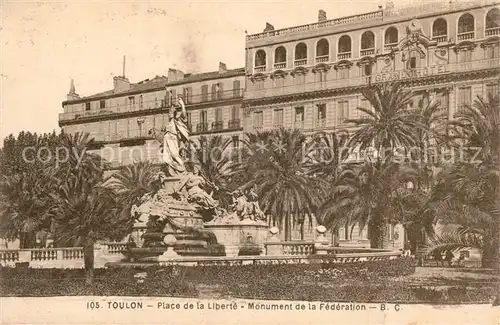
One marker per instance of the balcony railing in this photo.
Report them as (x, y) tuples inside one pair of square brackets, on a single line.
[(366, 52), (492, 31), (260, 68), (234, 124), (217, 125), (440, 38), (401, 75), (152, 105), (341, 120), (320, 123), (300, 62), (465, 36), (298, 124), (390, 46), (280, 65), (201, 127), (322, 58), (344, 55)]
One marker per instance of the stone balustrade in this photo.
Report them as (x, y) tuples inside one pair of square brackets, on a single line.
[(68, 257)]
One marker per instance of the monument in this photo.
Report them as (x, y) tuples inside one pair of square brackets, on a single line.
[(170, 222)]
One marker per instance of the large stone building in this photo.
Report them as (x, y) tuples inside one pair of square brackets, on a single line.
[(308, 77), (120, 119)]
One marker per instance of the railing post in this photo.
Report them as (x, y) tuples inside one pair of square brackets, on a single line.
[(321, 243), (25, 255), (273, 248)]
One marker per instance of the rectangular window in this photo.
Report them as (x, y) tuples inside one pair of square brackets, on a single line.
[(235, 141), (320, 76), (220, 91), (173, 97), (87, 106), (203, 117), (343, 111), (442, 98), (367, 70), (299, 114), (279, 82), (492, 90), (214, 92), (204, 93), (186, 95), (492, 52), (102, 104), (300, 79), (235, 113), (343, 73), (258, 84), (278, 118), (413, 63), (464, 98), (188, 117), (258, 119), (364, 103), (321, 112), (218, 114), (464, 56), (236, 88)]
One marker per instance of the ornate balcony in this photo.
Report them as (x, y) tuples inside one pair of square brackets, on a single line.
[(280, 65), (465, 36), (217, 125), (440, 38), (260, 68), (344, 55), (234, 124), (322, 58), (492, 31), (366, 52), (300, 62), (201, 127)]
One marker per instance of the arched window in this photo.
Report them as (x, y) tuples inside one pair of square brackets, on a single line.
[(300, 51), (322, 48), (367, 40), (439, 28), (260, 58), (280, 55), (344, 47), (391, 36), (493, 22), (465, 27)]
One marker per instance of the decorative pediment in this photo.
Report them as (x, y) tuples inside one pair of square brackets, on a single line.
[(414, 40), (366, 60), (299, 71), (278, 74), (465, 45), (258, 77), (343, 64), (491, 41), (321, 67)]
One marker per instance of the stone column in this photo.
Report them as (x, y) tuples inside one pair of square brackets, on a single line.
[(321, 242), (273, 248)]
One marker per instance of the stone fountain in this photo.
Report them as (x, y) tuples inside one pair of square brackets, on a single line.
[(182, 219)]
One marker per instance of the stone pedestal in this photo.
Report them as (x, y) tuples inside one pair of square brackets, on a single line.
[(273, 243), (236, 236), (321, 244)]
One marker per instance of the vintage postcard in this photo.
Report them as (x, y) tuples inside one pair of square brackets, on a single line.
[(250, 162)]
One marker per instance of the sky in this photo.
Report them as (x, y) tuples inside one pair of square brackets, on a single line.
[(45, 44)]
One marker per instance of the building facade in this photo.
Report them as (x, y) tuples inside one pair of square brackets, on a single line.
[(120, 119), (310, 77)]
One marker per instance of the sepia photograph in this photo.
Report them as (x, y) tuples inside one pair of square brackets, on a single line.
[(250, 162)]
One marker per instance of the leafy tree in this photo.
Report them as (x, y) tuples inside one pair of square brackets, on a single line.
[(276, 167)]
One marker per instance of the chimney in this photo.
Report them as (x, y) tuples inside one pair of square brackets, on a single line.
[(222, 67), (72, 95), (268, 28), (175, 75), (120, 83), (321, 16)]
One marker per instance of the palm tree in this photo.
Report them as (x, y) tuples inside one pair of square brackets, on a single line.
[(218, 165), (275, 166), (367, 194), (475, 185), (390, 124)]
